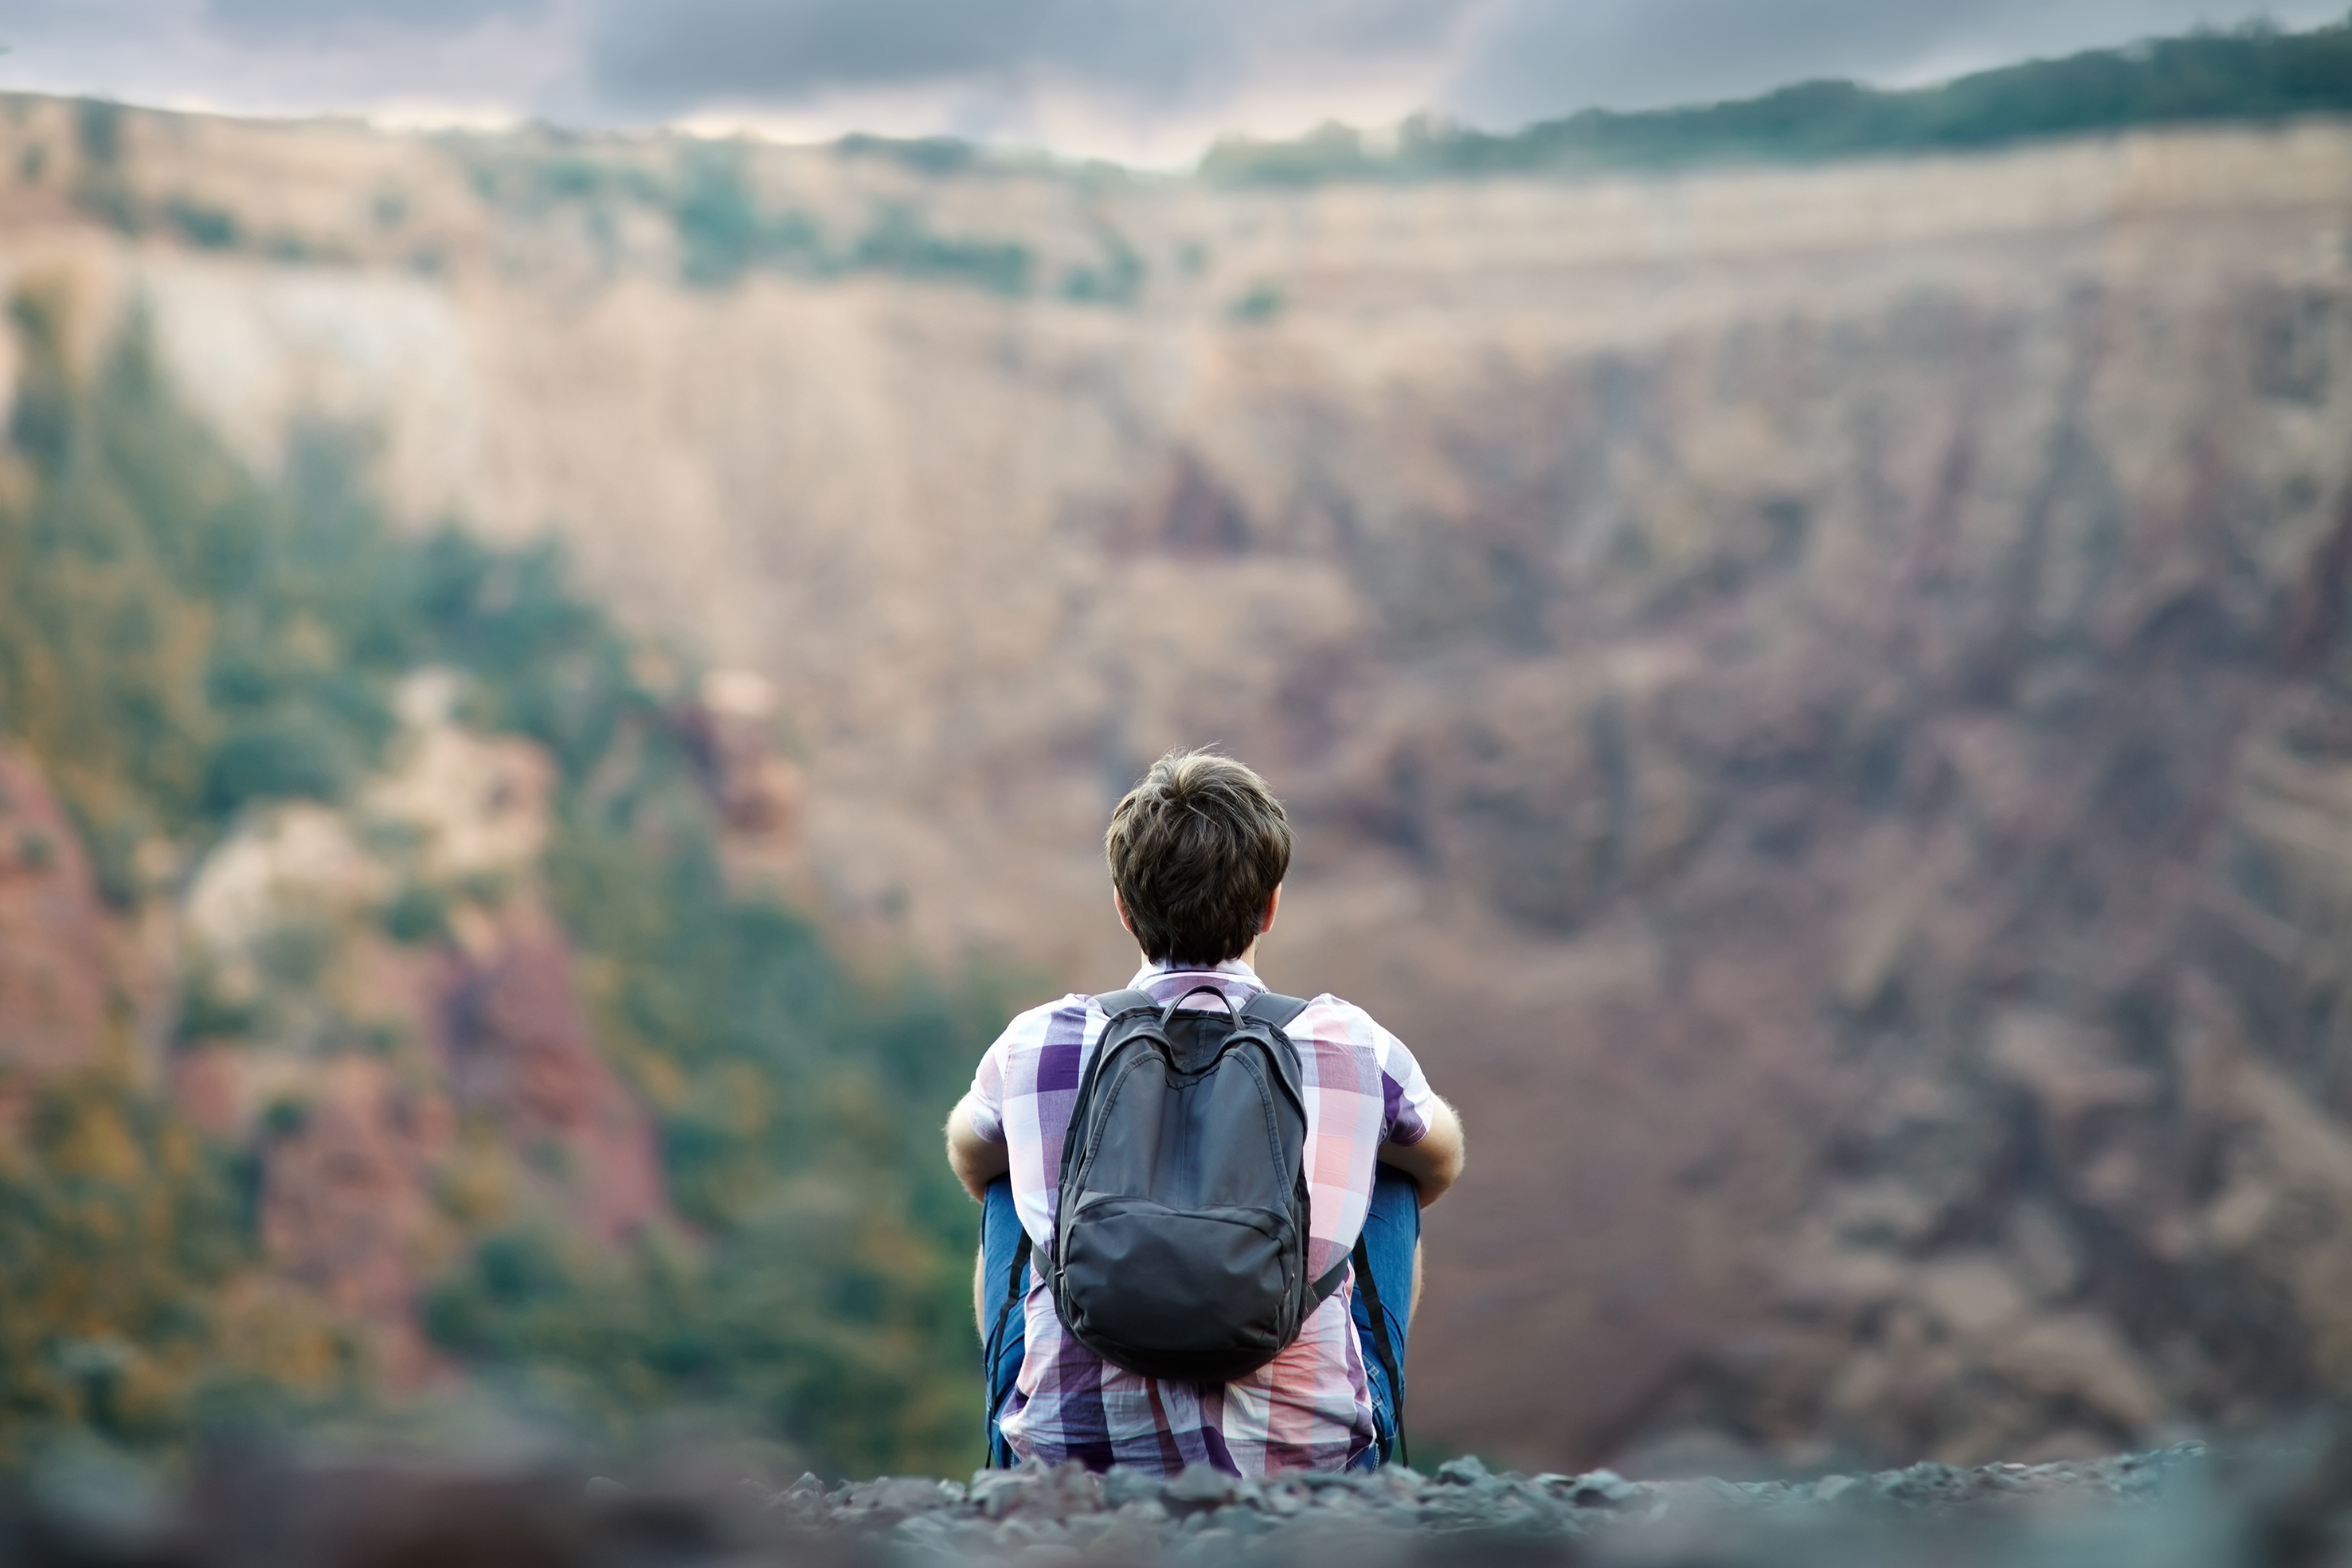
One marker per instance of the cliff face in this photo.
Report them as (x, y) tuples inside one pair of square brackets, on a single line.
[(1816, 700)]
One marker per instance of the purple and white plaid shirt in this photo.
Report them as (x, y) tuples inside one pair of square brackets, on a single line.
[(1308, 1408)]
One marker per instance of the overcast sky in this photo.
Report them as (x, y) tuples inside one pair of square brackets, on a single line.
[(1147, 81)]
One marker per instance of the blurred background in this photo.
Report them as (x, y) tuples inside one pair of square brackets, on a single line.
[(577, 581)]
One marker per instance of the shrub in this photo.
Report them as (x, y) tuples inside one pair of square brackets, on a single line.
[(211, 228), (274, 760), (417, 914), (901, 242)]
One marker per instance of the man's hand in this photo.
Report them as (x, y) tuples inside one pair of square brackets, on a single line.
[(1435, 1162), (975, 1161)]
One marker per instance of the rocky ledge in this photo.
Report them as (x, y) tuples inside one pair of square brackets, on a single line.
[(2181, 1506), (1466, 1514)]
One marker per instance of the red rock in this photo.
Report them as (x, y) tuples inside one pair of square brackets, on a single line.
[(518, 1044), (53, 968), (343, 1193)]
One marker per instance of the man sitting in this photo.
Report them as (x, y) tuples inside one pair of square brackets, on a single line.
[(1198, 850)]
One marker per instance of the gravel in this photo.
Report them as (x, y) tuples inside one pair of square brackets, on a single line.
[(1466, 1514), (2183, 1507)]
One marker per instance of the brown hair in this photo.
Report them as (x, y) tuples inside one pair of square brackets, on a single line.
[(1196, 849)]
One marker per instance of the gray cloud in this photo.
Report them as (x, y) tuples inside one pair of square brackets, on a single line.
[(673, 56), (265, 22), (42, 21), (692, 51)]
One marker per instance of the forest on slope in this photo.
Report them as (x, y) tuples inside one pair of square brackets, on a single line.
[(192, 658), (2255, 73)]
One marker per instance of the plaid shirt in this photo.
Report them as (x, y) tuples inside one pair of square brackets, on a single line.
[(1308, 1409)]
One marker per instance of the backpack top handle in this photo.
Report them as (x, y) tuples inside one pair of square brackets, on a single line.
[(1168, 1012), (1270, 1007)]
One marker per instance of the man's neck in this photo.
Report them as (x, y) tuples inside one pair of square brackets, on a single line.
[(1247, 957)]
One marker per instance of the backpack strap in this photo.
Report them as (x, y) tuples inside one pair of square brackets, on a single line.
[(1275, 1010), (1274, 1007), (1117, 1003), (1119, 1006), (1371, 1289)]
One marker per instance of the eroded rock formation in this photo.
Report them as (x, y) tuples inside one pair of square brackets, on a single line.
[(403, 1085)]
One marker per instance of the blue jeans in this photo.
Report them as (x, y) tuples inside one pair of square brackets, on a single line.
[(1391, 1237)]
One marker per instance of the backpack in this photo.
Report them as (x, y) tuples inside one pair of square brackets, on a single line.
[(1179, 1243), (1180, 1246)]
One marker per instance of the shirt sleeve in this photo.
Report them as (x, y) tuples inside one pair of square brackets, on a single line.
[(987, 1111), (1405, 1093), (1008, 1071)]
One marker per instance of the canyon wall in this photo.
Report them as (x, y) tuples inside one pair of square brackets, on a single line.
[(1816, 699)]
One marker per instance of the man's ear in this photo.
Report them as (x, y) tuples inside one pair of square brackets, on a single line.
[(1272, 903), (1121, 908)]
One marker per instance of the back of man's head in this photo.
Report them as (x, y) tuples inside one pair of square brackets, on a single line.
[(1196, 850)]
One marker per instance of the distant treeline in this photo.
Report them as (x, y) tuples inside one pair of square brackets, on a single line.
[(2256, 73)]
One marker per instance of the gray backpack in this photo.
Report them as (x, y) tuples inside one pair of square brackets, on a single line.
[(1180, 1251)]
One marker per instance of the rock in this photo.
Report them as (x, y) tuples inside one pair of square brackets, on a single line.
[(475, 806), (1033, 1491), (54, 971), (729, 727), (894, 1498), (518, 1043), (1200, 1489), (1605, 1488), (1465, 1471), (346, 1205), (296, 867)]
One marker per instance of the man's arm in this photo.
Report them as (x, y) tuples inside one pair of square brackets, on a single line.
[(1433, 1161), (977, 1162)]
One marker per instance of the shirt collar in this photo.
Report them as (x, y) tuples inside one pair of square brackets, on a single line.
[(1160, 970)]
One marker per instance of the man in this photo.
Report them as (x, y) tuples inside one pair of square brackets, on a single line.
[(1198, 850)]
